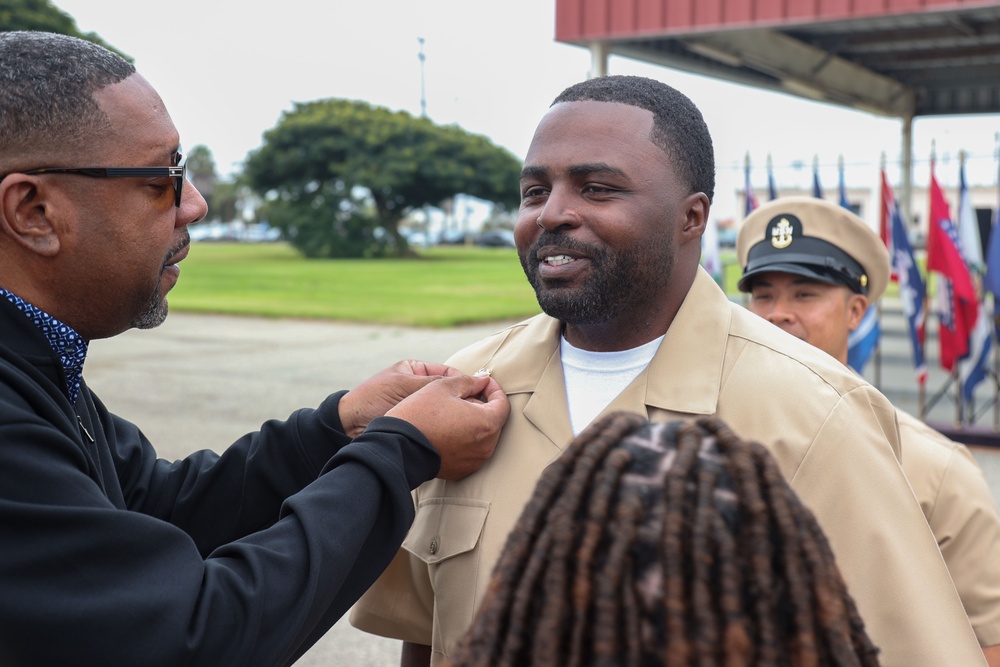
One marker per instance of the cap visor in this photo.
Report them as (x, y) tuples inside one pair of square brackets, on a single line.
[(795, 269)]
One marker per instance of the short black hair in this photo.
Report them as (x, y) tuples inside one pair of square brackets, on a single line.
[(48, 82), (678, 126)]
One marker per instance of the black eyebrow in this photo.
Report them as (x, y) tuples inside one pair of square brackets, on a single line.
[(534, 172), (576, 170), (596, 168)]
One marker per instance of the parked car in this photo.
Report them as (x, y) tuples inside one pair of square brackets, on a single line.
[(234, 231), (496, 238), (416, 238), (455, 237)]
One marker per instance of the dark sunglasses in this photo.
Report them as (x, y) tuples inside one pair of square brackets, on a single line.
[(178, 174)]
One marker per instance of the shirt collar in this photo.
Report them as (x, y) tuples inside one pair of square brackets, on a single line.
[(67, 344), (687, 366)]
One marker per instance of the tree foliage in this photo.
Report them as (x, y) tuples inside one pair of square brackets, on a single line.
[(42, 15), (340, 175), (201, 171), (228, 198)]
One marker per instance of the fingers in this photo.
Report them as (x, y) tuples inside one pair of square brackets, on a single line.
[(493, 392), (461, 416), (425, 368), (469, 386), (497, 403)]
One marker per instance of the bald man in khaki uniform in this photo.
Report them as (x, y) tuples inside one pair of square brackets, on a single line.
[(615, 194), (812, 268)]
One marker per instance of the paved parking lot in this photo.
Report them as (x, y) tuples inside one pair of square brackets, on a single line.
[(201, 381)]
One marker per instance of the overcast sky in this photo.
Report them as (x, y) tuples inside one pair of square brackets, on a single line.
[(227, 69)]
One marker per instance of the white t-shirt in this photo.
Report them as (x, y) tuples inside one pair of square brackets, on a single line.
[(593, 379)]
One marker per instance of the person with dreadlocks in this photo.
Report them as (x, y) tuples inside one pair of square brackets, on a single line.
[(615, 195), (674, 543)]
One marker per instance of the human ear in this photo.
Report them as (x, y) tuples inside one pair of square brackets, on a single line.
[(695, 216), (856, 307), (26, 215)]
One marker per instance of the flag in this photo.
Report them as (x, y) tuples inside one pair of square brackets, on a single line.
[(991, 282), (886, 226), (710, 250), (843, 188), (958, 305), (750, 197), (905, 271), (861, 342), (972, 368), (817, 188), (772, 191), (968, 228)]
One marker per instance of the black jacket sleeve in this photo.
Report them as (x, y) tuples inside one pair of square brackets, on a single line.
[(216, 499), (243, 559)]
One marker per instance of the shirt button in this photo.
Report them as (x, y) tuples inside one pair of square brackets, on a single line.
[(434, 546)]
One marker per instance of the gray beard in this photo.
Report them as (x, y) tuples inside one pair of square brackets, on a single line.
[(154, 315)]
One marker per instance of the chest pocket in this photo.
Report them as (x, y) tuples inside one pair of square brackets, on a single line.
[(446, 527), (446, 536)]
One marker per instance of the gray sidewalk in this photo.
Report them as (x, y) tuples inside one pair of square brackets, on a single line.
[(201, 381)]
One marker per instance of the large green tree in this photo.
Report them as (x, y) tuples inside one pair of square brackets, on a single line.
[(340, 175), (44, 16)]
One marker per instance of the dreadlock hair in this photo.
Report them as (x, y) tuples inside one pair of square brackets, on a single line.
[(678, 126), (47, 106), (675, 544)]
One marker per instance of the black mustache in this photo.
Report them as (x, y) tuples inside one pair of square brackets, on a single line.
[(563, 241)]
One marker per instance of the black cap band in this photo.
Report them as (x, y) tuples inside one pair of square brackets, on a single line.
[(807, 256)]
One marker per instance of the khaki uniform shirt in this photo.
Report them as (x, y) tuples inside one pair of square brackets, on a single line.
[(833, 435), (962, 514)]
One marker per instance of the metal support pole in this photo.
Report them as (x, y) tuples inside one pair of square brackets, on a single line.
[(423, 95), (599, 52), (958, 396), (906, 171)]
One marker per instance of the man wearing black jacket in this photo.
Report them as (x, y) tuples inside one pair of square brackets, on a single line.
[(109, 555)]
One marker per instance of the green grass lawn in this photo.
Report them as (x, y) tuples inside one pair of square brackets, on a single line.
[(443, 287)]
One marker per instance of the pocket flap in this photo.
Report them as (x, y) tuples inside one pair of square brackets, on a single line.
[(446, 527)]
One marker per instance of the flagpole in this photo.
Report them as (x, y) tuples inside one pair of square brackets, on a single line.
[(878, 344), (817, 190), (877, 352), (955, 379), (958, 396), (772, 192), (958, 376), (927, 303), (996, 355)]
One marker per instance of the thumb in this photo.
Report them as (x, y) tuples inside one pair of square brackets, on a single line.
[(496, 399), (466, 386)]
